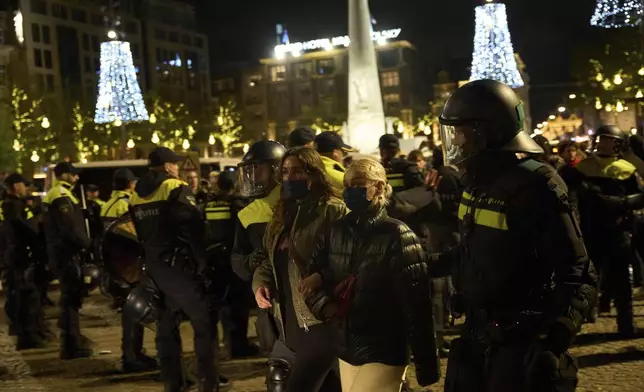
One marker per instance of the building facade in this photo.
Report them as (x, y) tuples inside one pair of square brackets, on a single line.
[(61, 43), (311, 88)]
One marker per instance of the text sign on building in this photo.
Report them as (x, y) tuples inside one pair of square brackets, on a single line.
[(297, 48)]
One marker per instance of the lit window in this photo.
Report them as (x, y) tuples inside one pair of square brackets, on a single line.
[(278, 73), (390, 79), (391, 98)]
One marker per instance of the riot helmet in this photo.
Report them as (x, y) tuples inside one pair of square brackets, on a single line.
[(258, 168), (91, 275), (609, 141), (483, 115), (142, 304)]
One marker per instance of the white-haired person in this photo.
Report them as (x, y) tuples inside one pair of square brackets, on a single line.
[(368, 278)]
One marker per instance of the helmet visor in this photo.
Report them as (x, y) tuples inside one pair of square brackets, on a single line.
[(255, 179), (453, 138)]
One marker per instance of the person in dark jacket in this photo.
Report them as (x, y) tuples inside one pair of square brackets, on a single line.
[(67, 244), (608, 189), (401, 173), (309, 204), (368, 273), (521, 271), (22, 255), (172, 231)]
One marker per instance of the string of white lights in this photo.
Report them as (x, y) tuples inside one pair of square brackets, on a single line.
[(119, 94), (613, 14), (493, 56)]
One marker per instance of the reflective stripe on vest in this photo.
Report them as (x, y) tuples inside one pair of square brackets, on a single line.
[(482, 216), (396, 180), (218, 213), (28, 213), (1, 213)]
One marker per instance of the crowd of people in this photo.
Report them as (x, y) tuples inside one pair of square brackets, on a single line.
[(357, 265)]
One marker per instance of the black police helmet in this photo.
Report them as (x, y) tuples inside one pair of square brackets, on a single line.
[(91, 274), (142, 304), (611, 131), (494, 110), (264, 151)]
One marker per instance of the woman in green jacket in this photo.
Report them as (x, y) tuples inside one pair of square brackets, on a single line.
[(305, 354)]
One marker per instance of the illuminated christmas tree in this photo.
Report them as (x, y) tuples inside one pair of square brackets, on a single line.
[(493, 56), (119, 94), (612, 14)]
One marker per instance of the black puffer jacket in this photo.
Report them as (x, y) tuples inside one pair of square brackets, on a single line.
[(391, 307)]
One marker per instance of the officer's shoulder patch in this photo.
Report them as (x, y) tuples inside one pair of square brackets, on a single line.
[(65, 208), (192, 200)]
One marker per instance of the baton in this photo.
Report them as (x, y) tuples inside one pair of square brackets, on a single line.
[(84, 207)]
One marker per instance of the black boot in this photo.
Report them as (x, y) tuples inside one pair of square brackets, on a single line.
[(140, 363)]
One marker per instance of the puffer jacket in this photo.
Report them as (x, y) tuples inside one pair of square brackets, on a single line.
[(312, 219), (391, 308)]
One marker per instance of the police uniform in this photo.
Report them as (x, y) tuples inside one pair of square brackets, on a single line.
[(22, 254), (335, 171), (171, 229), (327, 143), (66, 240), (250, 227), (604, 185), (402, 175), (521, 270), (116, 206)]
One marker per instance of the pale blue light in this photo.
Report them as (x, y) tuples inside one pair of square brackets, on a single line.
[(119, 94), (612, 14), (493, 56)]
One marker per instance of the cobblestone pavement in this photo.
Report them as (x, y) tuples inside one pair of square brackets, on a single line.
[(607, 364)]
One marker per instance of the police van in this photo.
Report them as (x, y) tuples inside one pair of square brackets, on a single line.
[(100, 173)]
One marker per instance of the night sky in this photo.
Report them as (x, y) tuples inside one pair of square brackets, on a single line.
[(544, 33)]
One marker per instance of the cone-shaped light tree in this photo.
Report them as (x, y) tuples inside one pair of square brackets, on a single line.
[(613, 14), (493, 56)]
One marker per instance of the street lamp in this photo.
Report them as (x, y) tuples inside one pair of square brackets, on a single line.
[(155, 138), (111, 34), (561, 109), (211, 140), (45, 123), (185, 144), (130, 144), (552, 117), (572, 96), (34, 157)]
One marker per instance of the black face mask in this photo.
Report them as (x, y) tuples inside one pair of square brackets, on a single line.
[(356, 199), (295, 190)]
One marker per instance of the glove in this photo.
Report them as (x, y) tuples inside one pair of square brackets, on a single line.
[(541, 368)]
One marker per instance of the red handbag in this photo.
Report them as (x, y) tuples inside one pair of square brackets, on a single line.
[(343, 295)]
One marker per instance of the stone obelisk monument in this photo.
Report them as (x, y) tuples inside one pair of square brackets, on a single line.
[(366, 116)]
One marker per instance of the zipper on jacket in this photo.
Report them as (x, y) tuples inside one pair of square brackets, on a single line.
[(302, 317)]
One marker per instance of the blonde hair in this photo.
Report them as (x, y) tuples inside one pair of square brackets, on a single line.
[(372, 170)]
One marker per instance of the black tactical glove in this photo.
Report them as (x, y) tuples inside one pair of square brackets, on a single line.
[(541, 368)]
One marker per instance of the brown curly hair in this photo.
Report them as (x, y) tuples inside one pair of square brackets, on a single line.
[(321, 188)]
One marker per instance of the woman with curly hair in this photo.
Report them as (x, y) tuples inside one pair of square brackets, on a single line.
[(304, 355)]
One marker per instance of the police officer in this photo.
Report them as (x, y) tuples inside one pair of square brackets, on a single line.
[(257, 171), (608, 190), (22, 248), (67, 243), (172, 231), (93, 195), (521, 270), (221, 217), (119, 203), (133, 359), (301, 137), (401, 174), (332, 150)]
